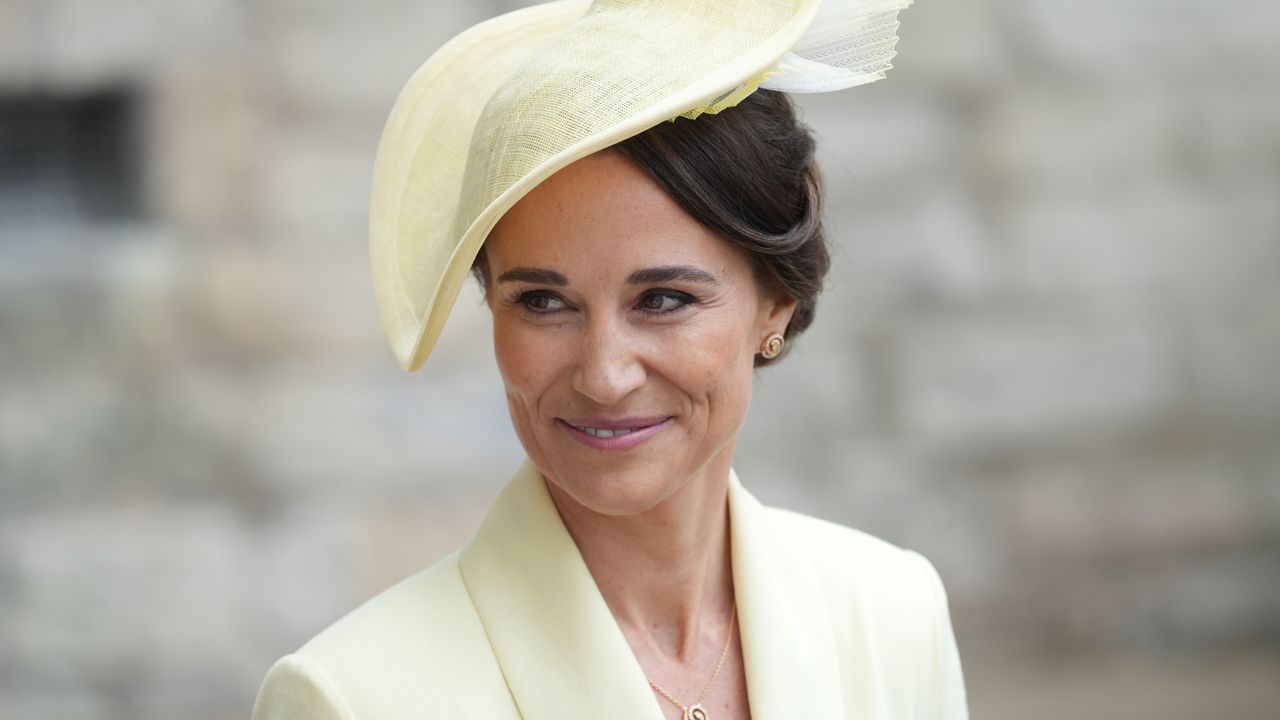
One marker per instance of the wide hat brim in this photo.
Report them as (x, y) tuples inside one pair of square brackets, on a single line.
[(507, 103)]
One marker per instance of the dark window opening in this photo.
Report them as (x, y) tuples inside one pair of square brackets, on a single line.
[(70, 158)]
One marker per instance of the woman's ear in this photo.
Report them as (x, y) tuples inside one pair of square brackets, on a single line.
[(776, 309)]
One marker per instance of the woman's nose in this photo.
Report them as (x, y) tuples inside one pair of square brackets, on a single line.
[(608, 367)]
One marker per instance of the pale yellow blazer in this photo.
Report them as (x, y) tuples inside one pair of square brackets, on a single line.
[(834, 624)]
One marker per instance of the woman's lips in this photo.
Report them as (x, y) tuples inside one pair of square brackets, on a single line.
[(613, 433)]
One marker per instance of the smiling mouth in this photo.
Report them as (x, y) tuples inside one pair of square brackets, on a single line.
[(602, 433), (601, 429)]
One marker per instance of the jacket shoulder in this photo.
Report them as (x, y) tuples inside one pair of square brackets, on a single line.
[(417, 645), (889, 610), (844, 557), (297, 687)]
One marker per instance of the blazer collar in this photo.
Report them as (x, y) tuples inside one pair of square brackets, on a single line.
[(564, 656)]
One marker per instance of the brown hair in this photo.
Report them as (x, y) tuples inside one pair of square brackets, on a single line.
[(748, 174)]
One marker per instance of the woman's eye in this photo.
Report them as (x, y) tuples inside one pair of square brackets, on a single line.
[(663, 302), (540, 302)]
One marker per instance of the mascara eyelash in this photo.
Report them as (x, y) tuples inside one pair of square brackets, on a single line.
[(685, 299), (520, 298)]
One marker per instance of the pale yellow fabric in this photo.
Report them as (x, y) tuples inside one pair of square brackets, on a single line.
[(507, 103), (834, 624)]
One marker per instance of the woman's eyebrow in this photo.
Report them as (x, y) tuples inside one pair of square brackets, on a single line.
[(537, 276), (669, 273)]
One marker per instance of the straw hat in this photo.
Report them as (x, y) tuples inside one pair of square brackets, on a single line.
[(512, 100)]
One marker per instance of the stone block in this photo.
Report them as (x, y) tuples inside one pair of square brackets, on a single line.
[(278, 304), (76, 45), (390, 434), (105, 601), (1234, 349), (17, 39), (1051, 140), (1237, 136), (925, 249), (961, 46), (1216, 599), (1158, 245), (339, 57), (204, 128), (1110, 43), (312, 180), (1009, 382), (1186, 497), (1172, 686), (406, 534)]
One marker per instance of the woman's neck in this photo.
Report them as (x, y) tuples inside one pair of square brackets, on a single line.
[(664, 573)]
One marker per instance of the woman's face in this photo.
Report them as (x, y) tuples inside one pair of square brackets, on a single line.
[(625, 332)]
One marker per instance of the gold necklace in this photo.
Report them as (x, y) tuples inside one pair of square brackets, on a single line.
[(696, 711)]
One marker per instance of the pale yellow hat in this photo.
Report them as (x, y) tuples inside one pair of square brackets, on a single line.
[(512, 100)]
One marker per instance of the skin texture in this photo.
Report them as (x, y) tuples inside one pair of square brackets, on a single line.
[(596, 342)]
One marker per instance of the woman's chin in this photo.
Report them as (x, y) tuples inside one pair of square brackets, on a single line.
[(616, 494)]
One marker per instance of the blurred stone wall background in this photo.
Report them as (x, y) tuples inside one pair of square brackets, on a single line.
[(1047, 358)]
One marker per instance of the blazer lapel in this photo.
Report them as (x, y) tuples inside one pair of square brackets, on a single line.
[(788, 643), (561, 651), (564, 656)]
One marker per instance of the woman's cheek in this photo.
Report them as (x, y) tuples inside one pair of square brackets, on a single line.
[(518, 354), (711, 350)]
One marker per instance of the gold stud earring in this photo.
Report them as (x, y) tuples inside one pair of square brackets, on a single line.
[(772, 346)]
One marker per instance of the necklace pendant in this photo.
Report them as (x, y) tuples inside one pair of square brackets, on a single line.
[(695, 712)]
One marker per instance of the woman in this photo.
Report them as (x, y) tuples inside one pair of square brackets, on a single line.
[(638, 272)]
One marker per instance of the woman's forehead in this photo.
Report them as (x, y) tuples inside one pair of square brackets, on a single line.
[(603, 209), (605, 189)]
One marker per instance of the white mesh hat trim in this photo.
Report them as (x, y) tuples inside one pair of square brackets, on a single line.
[(851, 42)]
